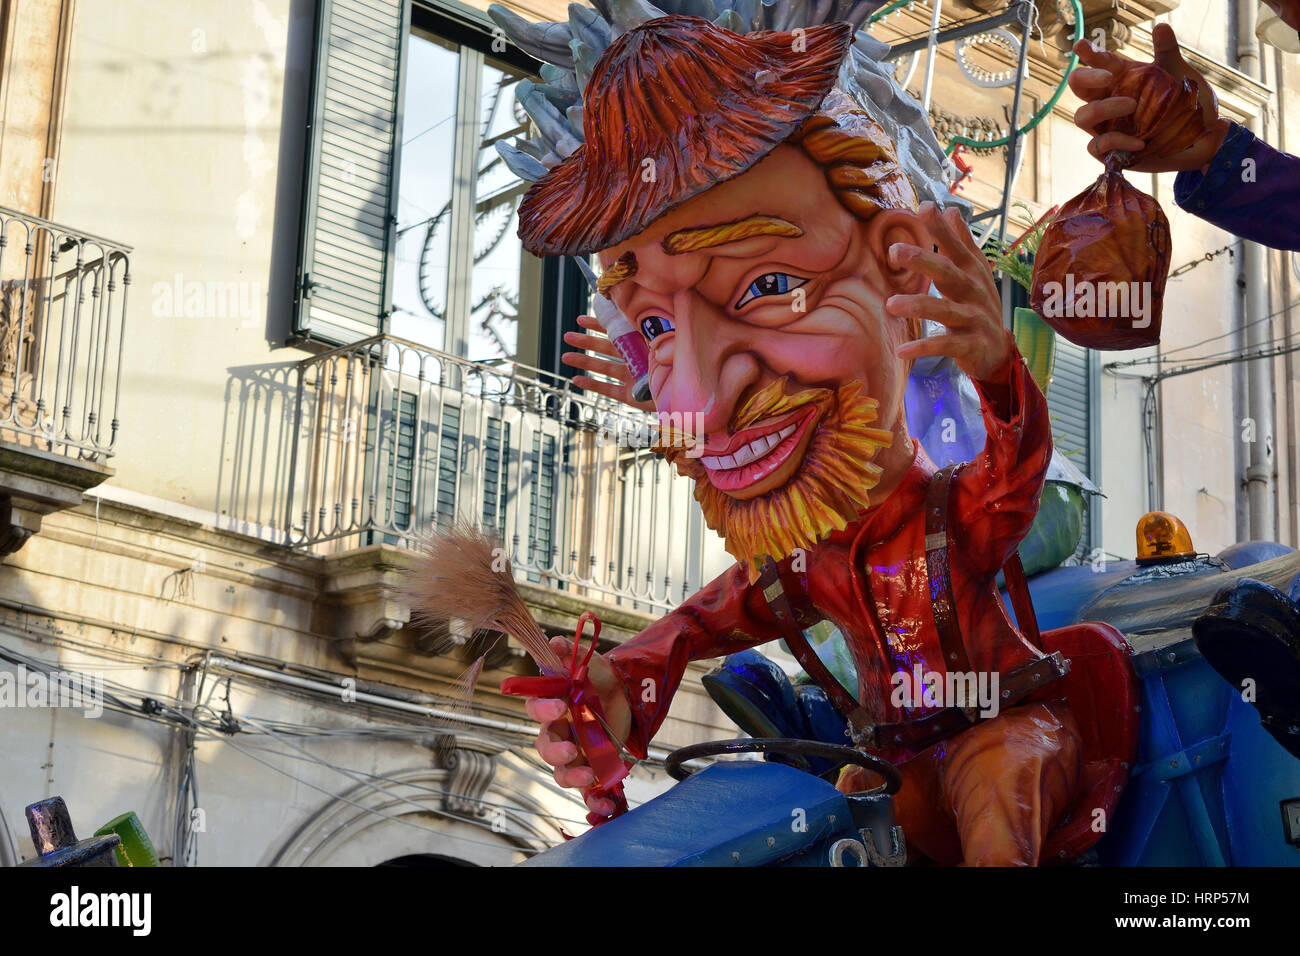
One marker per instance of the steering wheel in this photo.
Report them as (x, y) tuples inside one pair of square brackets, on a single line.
[(790, 746)]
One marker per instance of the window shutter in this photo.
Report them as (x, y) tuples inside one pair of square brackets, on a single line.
[(350, 185), (1068, 404)]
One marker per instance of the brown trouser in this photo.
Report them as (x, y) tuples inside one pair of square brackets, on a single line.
[(990, 795)]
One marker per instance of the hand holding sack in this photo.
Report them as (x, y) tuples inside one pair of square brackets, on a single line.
[(1099, 276)]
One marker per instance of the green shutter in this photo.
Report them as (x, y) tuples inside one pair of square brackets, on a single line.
[(350, 185), (541, 505), (1068, 404), (496, 468)]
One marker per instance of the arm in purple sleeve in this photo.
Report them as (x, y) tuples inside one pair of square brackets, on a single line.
[(1249, 189)]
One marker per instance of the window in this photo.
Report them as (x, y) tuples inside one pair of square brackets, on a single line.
[(409, 215), (424, 447), (461, 277), (345, 257), (409, 229)]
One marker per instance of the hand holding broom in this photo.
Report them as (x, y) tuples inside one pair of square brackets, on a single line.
[(578, 700)]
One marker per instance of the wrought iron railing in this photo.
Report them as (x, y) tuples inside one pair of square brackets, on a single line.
[(392, 438), (62, 317)]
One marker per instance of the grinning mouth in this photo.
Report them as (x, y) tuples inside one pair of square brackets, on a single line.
[(759, 450)]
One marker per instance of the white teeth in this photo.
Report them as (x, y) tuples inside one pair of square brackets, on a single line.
[(750, 452)]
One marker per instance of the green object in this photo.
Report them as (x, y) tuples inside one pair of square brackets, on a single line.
[(830, 645), (1056, 530), (1038, 117), (136, 849), (1015, 259), (1037, 343), (885, 11)]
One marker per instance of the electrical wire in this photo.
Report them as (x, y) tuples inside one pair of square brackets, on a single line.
[(45, 636), (1187, 267), (1230, 353), (183, 843), (361, 776)]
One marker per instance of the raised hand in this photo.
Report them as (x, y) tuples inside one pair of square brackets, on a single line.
[(1094, 84), (970, 306), (555, 741), (621, 388)]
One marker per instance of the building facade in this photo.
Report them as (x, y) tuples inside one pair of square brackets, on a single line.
[(265, 318)]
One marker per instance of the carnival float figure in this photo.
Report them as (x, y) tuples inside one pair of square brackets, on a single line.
[(772, 218), (773, 230)]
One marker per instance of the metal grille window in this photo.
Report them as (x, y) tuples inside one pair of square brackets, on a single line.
[(449, 464), (444, 396), (1071, 405), (541, 537), (403, 492), (1069, 402), (496, 466), (401, 478), (409, 229), (413, 501)]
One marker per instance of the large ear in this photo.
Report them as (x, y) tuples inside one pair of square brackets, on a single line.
[(883, 230), (899, 225)]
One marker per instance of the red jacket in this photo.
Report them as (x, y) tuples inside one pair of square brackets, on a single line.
[(870, 579)]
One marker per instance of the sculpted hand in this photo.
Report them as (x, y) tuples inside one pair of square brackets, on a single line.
[(621, 388), (1094, 83), (555, 742), (970, 306)]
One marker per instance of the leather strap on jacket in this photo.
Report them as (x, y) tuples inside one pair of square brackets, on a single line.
[(1021, 602), (921, 732), (845, 702), (940, 572), (918, 733), (938, 568)]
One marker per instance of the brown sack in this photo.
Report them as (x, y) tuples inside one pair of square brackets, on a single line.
[(1099, 276)]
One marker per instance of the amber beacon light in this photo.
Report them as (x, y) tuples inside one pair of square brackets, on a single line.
[(1162, 537)]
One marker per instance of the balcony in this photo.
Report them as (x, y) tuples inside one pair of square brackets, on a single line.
[(391, 439), (62, 313)]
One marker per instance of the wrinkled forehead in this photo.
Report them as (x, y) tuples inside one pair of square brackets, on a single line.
[(782, 197)]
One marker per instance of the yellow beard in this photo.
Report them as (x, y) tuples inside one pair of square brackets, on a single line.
[(828, 490)]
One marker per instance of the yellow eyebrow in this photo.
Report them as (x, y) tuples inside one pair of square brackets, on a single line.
[(623, 268), (705, 237)]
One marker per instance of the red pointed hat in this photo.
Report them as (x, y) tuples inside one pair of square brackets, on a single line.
[(674, 107)]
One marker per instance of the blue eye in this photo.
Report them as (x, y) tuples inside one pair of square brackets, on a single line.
[(655, 325), (771, 283)]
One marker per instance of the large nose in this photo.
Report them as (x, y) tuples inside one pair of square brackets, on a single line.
[(712, 364)]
